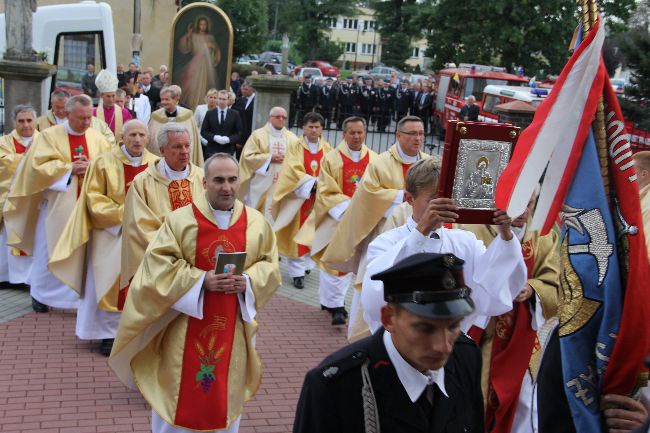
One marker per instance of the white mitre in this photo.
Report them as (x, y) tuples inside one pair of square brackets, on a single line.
[(106, 81)]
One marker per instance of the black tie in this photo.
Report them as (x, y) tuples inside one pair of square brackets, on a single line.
[(221, 121)]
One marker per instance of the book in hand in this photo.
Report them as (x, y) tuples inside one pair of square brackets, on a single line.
[(230, 262)]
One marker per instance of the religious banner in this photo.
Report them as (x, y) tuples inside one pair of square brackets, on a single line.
[(200, 51)]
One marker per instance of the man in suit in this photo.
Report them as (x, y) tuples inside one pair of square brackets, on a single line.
[(150, 91), (418, 373), (424, 103), (470, 110), (245, 105), (222, 128)]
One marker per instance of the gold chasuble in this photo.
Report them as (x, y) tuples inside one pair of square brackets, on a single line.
[(100, 207), (11, 153), (150, 198), (289, 211), (644, 196), (48, 120), (183, 117), (262, 143), (362, 220), (337, 183), (47, 160), (195, 373)]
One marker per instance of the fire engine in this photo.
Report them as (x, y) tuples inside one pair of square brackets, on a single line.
[(494, 95), (453, 85)]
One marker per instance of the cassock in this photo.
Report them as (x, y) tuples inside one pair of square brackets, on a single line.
[(644, 195), (42, 200), (87, 256), (380, 191), (153, 194), (114, 117), (14, 264), (294, 197), (49, 119), (191, 352), (258, 175), (495, 274), (332, 401), (141, 106), (183, 116), (340, 173), (509, 343)]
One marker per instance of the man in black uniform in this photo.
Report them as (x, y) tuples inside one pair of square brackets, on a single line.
[(403, 100), (386, 101), (470, 110), (327, 101), (347, 99), (307, 97), (367, 99), (419, 374)]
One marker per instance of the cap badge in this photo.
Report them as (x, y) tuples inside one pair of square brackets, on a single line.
[(448, 282), (330, 372)]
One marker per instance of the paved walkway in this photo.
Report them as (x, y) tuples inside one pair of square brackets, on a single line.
[(52, 382)]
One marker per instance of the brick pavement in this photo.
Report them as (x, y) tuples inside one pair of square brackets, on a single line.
[(52, 382)]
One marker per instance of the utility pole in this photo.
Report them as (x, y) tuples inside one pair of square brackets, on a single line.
[(136, 39)]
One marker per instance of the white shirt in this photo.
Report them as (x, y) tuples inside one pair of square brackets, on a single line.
[(225, 114), (355, 154), (496, 275), (171, 174), (413, 381), (406, 158), (249, 100)]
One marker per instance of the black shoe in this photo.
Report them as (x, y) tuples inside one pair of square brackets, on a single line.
[(307, 271), (39, 307), (338, 316), (107, 346), (298, 282)]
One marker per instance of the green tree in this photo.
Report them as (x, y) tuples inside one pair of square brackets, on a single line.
[(249, 22), (635, 45), (311, 20), (397, 22), (397, 50)]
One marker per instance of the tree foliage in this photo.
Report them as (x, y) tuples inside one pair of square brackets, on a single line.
[(397, 22), (249, 22), (635, 45)]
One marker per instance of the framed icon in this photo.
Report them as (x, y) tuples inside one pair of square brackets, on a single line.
[(474, 157)]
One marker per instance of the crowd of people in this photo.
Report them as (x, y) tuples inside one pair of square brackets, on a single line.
[(164, 226)]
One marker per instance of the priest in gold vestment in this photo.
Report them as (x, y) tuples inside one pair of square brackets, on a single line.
[(295, 193), (44, 194), (341, 171), (57, 116), (14, 265), (187, 335), (87, 256), (171, 183), (171, 112), (261, 161)]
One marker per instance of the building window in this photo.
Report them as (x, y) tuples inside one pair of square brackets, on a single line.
[(368, 25), (416, 52), (350, 24), (333, 23), (368, 48), (351, 47)]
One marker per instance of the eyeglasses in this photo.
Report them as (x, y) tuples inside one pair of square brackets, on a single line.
[(280, 117), (413, 133)]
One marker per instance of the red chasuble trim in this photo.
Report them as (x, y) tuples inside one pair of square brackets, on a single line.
[(19, 146), (180, 193), (130, 172), (311, 162), (203, 395), (405, 169), (512, 348), (78, 147), (352, 173)]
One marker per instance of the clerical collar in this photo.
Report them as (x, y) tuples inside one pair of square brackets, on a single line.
[(168, 114), (136, 161), (355, 154), (59, 120), (26, 140), (273, 130), (171, 174), (413, 381), (222, 217), (406, 158), (70, 130)]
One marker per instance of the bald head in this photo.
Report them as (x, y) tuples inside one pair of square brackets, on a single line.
[(135, 137), (642, 166), (278, 117)]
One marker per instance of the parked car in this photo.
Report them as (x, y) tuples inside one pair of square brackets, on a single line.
[(276, 68), (245, 59), (314, 72), (380, 72), (325, 67), (270, 57), (618, 85)]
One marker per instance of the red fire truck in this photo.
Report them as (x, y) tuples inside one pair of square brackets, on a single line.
[(453, 85)]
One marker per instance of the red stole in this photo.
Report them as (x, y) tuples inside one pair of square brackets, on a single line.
[(130, 172), (78, 147), (203, 395), (180, 193), (311, 162), (19, 146), (512, 348), (352, 172), (405, 169)]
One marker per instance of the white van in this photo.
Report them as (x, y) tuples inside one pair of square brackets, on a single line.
[(73, 36)]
